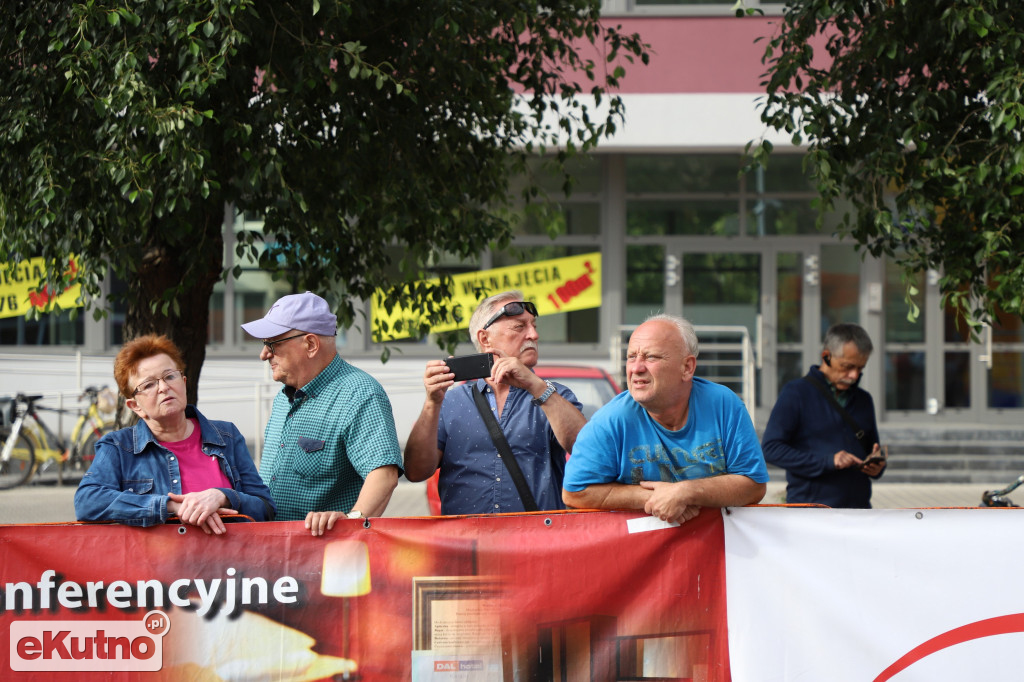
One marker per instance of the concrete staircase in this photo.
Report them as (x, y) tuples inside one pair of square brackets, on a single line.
[(965, 454)]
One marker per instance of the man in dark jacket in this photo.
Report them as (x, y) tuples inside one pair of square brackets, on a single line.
[(829, 458)]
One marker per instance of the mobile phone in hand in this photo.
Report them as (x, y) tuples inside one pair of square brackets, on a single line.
[(872, 459), (466, 367)]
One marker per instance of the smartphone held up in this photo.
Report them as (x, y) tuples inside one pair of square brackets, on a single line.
[(468, 367), (881, 456)]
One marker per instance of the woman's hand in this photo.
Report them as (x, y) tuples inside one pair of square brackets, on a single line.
[(202, 509)]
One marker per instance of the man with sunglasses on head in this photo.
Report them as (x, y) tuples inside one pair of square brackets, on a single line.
[(539, 420), (822, 430), (330, 448)]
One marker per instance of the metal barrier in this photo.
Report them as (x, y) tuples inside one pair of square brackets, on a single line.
[(57, 407), (241, 389)]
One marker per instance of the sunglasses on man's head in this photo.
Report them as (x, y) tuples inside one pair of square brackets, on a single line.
[(512, 309)]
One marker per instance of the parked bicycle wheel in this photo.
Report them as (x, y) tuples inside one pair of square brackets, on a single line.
[(81, 457), (18, 468)]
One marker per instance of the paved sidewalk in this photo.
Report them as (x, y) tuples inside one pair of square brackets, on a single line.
[(911, 495), (50, 503)]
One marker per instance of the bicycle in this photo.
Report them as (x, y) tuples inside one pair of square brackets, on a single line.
[(29, 443), (998, 498)]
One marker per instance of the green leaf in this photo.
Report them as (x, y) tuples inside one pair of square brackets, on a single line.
[(141, 136)]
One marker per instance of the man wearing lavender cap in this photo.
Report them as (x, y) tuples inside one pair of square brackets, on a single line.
[(330, 447)]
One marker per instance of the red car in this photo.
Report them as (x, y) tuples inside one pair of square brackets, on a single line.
[(593, 388)]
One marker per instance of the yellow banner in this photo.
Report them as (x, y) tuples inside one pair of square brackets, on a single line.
[(560, 285), (17, 283)]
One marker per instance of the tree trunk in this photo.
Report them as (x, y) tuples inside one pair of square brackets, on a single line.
[(193, 269)]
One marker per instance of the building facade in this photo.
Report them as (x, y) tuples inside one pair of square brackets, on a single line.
[(681, 230)]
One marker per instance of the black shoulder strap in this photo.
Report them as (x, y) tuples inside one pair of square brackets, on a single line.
[(860, 434), (529, 504)]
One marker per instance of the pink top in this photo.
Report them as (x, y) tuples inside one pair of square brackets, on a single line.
[(199, 471)]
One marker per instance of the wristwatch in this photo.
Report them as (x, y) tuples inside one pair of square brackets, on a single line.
[(543, 398), (355, 514)]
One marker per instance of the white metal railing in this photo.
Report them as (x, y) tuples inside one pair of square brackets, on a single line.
[(235, 389), (59, 409), (241, 390), (726, 357)]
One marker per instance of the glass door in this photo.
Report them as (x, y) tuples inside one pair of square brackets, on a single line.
[(721, 295), (759, 288), (905, 350), (722, 289), (935, 370), (768, 289), (1001, 359)]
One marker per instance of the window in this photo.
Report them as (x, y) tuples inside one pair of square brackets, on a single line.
[(577, 213), (51, 329), (686, 7), (904, 342), (645, 282), (709, 195), (840, 285)]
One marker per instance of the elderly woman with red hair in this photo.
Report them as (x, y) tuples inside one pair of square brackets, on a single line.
[(174, 462)]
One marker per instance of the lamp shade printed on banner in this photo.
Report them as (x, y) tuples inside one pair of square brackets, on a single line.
[(346, 569)]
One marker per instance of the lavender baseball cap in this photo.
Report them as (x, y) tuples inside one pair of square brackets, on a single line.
[(305, 312)]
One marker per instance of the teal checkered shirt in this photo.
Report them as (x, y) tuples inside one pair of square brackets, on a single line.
[(321, 442)]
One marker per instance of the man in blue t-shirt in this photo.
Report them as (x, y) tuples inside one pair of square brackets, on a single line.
[(673, 443)]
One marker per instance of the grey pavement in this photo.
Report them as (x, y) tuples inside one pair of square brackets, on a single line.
[(912, 495), (50, 503)]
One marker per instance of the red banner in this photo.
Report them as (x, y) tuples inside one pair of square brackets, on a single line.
[(595, 596)]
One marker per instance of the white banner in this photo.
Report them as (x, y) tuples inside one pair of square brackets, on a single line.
[(904, 595)]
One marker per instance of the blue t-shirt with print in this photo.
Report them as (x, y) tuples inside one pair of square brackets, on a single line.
[(622, 443)]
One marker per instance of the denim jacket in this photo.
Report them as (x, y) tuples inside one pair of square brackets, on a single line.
[(132, 474)]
